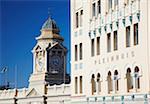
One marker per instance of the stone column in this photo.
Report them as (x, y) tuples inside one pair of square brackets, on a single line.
[(131, 34), (45, 64), (105, 83), (97, 89), (125, 84), (114, 84), (78, 87), (134, 82), (34, 59)]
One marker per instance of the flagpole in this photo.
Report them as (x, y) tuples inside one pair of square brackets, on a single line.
[(3, 71), (15, 76), (6, 76)]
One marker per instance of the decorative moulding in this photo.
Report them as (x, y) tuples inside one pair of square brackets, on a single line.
[(130, 17), (123, 21), (105, 28), (117, 23), (94, 31), (111, 26), (89, 34), (138, 16), (99, 30)]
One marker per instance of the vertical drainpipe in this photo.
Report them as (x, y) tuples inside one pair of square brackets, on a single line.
[(15, 100), (44, 99), (15, 96)]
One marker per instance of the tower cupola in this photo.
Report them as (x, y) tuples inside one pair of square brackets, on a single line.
[(50, 24), (50, 30)]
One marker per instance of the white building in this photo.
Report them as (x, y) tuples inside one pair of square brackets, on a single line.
[(110, 57), (110, 51), (49, 83)]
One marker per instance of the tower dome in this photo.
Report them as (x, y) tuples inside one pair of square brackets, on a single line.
[(50, 24), (50, 30)]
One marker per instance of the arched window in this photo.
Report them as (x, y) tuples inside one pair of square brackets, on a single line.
[(93, 83), (116, 79), (129, 80), (109, 79), (137, 78), (81, 84), (76, 85), (98, 83), (109, 4)]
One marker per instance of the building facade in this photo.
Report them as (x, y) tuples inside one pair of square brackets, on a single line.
[(110, 57), (110, 51), (49, 83)]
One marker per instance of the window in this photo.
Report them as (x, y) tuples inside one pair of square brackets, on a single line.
[(109, 4), (129, 80), (81, 17), (93, 84), (92, 47), (45, 89), (126, 2), (109, 80), (137, 78), (80, 84), (115, 4), (76, 85), (136, 34), (93, 9), (98, 83), (98, 45), (128, 36), (115, 40), (108, 42), (116, 79), (77, 20), (99, 6), (80, 51), (76, 52)]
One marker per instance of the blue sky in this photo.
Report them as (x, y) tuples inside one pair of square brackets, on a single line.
[(20, 23)]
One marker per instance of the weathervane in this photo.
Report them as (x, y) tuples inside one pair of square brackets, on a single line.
[(49, 13)]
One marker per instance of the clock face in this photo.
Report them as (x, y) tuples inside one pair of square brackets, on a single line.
[(55, 62)]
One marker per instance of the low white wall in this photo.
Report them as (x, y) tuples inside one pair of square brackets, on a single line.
[(59, 89)]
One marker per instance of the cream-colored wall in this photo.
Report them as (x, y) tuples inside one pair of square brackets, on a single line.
[(128, 57), (148, 5), (133, 56), (55, 95)]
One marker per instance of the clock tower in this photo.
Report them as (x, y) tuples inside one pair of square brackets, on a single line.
[(49, 58)]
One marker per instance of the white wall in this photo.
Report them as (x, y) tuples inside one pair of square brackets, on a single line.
[(128, 57)]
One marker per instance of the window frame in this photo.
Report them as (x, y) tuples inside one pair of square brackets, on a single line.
[(115, 40), (93, 9), (76, 52), (81, 84), (77, 20), (109, 42), (81, 51), (136, 34), (98, 45), (92, 47), (76, 85), (99, 6), (128, 36)]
